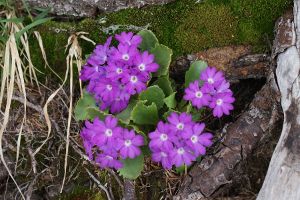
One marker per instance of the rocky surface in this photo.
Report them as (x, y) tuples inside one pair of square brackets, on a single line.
[(283, 177), (216, 173), (285, 33), (254, 125), (236, 61), (89, 8)]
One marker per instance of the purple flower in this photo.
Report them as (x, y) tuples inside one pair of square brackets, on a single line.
[(100, 54), (182, 155), (109, 142), (163, 157), (134, 82), (181, 123), (145, 63), (124, 54), (198, 140), (88, 148), (212, 76), (115, 106), (106, 89), (90, 72), (129, 38), (162, 137), (116, 70), (129, 144), (198, 96), (109, 159), (107, 132), (222, 87), (222, 104)]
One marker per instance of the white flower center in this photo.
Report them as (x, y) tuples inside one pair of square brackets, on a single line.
[(194, 139), (119, 71), (163, 137), (133, 79), (180, 151), (163, 154), (108, 132), (210, 80), (109, 157), (109, 87), (198, 94), (142, 67), (125, 57), (105, 58), (180, 126), (127, 143), (219, 102)]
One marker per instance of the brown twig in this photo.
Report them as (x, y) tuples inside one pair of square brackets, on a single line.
[(99, 184)]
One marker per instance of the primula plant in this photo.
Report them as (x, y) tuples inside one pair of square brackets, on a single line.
[(131, 110)]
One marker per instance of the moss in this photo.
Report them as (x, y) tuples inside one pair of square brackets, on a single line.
[(256, 18), (80, 192), (55, 36), (215, 26), (162, 20), (183, 25)]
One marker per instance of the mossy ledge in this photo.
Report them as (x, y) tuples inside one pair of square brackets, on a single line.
[(184, 25)]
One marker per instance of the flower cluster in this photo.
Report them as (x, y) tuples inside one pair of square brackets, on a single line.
[(214, 93), (109, 142), (116, 73), (178, 142)]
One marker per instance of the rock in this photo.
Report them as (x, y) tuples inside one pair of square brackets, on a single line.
[(217, 172), (237, 62), (283, 178), (285, 33), (89, 8)]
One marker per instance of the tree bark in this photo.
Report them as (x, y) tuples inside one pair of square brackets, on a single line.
[(283, 177)]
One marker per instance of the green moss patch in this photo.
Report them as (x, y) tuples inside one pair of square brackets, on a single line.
[(183, 25), (207, 26)]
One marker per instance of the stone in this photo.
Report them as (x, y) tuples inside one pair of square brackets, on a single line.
[(89, 8), (285, 36)]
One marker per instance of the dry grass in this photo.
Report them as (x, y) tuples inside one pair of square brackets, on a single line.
[(18, 70)]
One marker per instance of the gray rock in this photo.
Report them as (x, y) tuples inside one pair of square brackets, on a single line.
[(90, 8)]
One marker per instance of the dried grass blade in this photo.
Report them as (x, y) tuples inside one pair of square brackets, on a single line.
[(10, 60)]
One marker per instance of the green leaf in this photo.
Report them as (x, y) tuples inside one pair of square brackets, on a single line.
[(194, 72), (82, 106), (43, 14), (170, 101), (33, 24), (86, 108), (153, 94), (138, 131), (132, 168), (149, 40), (14, 20), (92, 113), (166, 114), (143, 114), (181, 169), (124, 116), (165, 84), (197, 114), (163, 56)]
